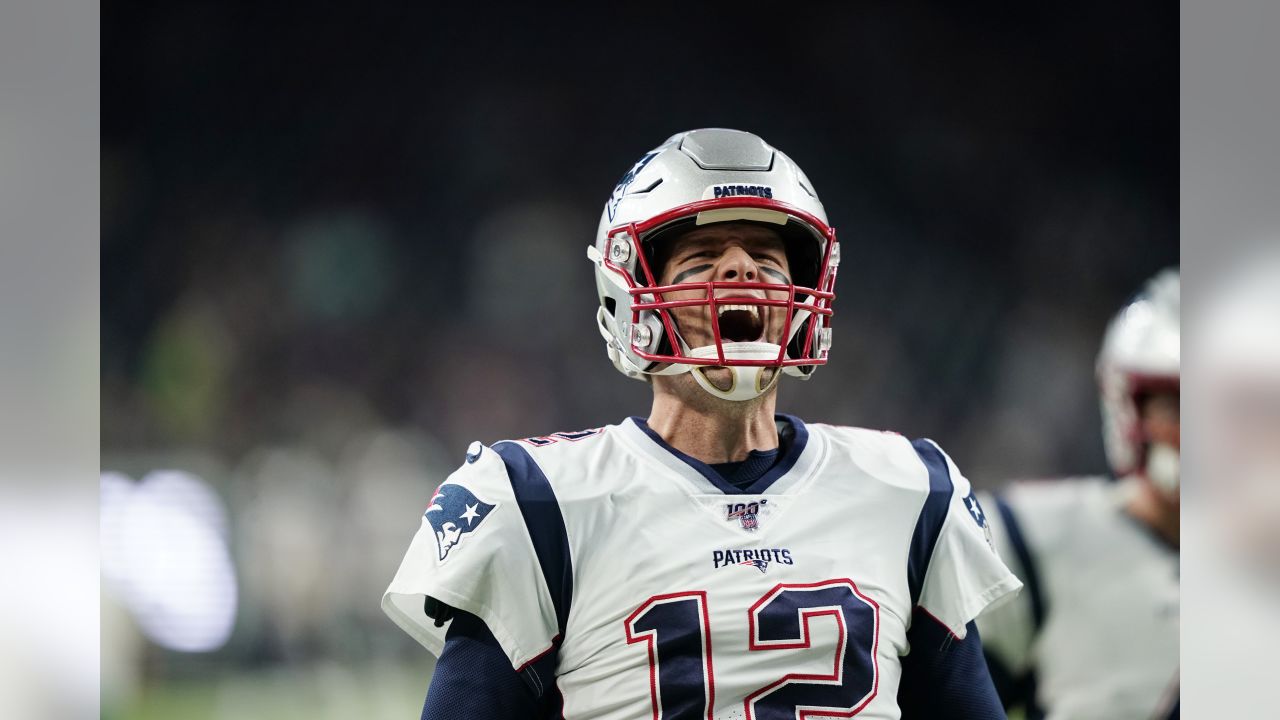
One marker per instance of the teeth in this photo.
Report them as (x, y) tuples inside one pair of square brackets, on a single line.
[(754, 310)]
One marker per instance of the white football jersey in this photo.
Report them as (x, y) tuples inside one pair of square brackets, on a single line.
[(667, 593), (1098, 623)]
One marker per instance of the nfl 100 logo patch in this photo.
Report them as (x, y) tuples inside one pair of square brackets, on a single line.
[(747, 513)]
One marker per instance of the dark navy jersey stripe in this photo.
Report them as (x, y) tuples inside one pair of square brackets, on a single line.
[(799, 439), (542, 516), (1030, 575), (932, 515), (791, 453)]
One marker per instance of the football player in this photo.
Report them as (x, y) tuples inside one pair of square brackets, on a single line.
[(714, 559), (1095, 633)]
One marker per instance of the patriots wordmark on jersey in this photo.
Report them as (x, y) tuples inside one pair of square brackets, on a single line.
[(664, 592)]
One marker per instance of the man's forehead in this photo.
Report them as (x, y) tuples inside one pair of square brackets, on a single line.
[(731, 231)]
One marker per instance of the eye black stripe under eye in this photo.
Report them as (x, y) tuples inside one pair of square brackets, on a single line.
[(679, 278), (771, 272), (776, 274)]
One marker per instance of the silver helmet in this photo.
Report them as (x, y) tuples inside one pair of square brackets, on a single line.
[(1140, 353), (693, 179)]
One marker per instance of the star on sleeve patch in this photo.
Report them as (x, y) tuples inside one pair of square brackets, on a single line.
[(979, 517), (454, 513)]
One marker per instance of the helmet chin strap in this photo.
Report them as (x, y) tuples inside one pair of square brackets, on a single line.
[(747, 382), (1163, 467)]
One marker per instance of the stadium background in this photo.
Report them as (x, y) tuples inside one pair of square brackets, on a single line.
[(339, 244)]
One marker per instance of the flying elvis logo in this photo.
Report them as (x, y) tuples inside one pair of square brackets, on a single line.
[(625, 182), (455, 512), (758, 558)]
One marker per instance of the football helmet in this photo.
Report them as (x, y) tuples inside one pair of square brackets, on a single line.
[(693, 179), (1140, 354)]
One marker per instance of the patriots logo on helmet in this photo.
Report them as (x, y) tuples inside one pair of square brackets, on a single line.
[(626, 181), (453, 513)]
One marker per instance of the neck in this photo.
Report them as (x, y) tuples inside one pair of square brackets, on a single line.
[(1148, 506), (708, 428)]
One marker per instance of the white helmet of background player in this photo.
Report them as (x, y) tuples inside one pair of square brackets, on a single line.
[(1141, 354), (697, 178)]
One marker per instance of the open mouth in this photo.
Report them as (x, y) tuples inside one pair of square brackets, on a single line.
[(741, 323)]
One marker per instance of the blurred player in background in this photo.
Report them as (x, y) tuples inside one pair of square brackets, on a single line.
[(715, 559), (1094, 635), (1232, 522)]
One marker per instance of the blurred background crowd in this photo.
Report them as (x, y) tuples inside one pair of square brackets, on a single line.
[(338, 245)]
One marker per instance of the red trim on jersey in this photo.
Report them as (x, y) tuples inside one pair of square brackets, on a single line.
[(555, 437), (555, 642), (946, 627)]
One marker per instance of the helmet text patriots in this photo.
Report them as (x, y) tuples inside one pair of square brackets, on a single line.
[(763, 191)]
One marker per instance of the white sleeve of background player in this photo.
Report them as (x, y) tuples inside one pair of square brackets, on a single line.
[(965, 575), (1008, 629), (473, 552)]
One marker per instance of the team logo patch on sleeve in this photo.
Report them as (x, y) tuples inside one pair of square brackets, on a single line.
[(455, 512), (975, 512)]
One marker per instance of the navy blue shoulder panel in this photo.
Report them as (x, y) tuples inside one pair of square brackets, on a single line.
[(932, 515), (1030, 574), (542, 516)]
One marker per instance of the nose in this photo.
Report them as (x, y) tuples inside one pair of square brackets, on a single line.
[(737, 265)]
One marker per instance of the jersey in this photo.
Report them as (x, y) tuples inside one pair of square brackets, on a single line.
[(1097, 627), (664, 592)]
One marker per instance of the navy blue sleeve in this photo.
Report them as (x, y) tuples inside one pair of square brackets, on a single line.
[(1016, 691), (944, 678), (474, 679)]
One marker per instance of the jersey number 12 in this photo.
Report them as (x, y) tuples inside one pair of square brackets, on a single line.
[(676, 628)]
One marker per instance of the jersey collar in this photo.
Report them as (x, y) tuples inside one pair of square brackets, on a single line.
[(799, 457)]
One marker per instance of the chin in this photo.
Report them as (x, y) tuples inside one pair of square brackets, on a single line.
[(722, 377)]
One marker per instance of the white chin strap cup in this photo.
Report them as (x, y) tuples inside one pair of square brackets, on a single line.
[(746, 383), (1163, 467)]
